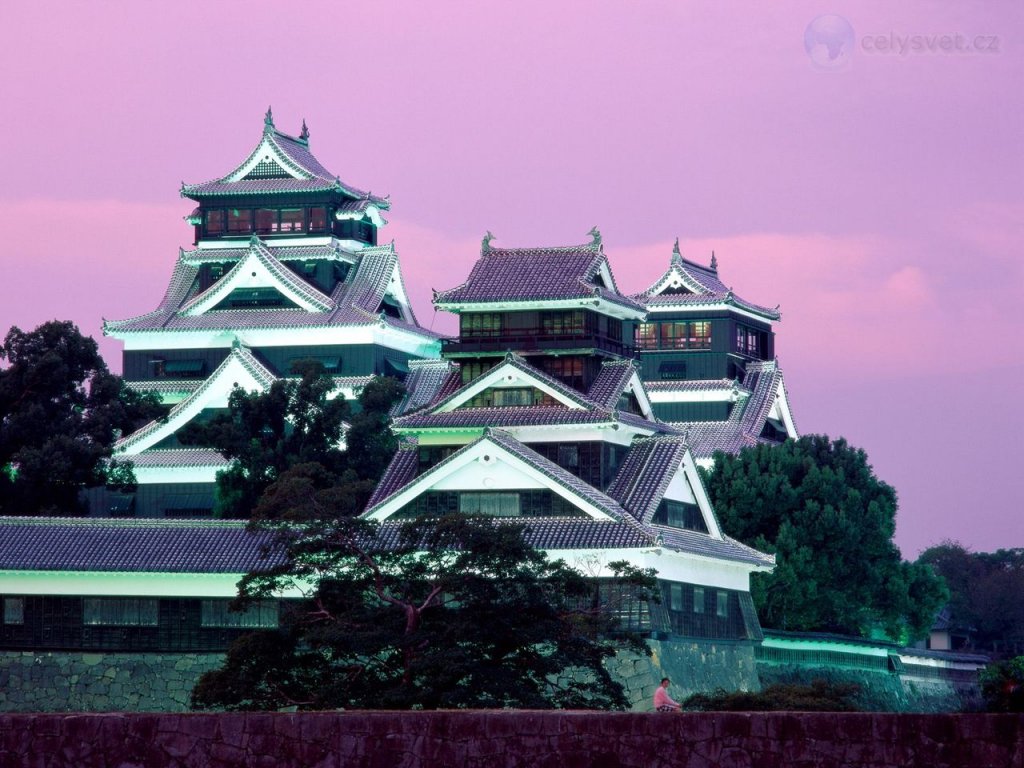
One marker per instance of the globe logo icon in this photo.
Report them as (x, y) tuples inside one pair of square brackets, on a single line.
[(829, 43)]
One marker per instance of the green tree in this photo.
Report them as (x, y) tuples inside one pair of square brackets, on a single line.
[(61, 411), (985, 589), (817, 505), (296, 422), (438, 613), (1002, 685)]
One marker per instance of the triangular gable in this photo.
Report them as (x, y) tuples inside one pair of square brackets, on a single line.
[(268, 153), (497, 462), (780, 412), (240, 368), (657, 468), (259, 268), (514, 372), (678, 280)]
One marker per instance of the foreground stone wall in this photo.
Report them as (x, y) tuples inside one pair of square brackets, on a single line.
[(496, 739), (100, 682)]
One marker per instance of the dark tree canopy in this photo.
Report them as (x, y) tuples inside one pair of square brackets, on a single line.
[(985, 589), (61, 411), (818, 506), (450, 612), (296, 422), (460, 612)]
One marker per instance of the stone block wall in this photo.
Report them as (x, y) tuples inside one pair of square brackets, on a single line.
[(138, 682), (100, 682), (510, 739)]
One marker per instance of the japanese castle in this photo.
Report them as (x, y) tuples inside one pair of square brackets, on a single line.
[(563, 403)]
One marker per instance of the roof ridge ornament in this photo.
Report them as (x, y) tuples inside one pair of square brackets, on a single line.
[(268, 121), (485, 244), (304, 133), (595, 236), (675, 248), (714, 262)]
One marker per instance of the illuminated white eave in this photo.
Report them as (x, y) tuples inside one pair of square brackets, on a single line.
[(122, 584), (391, 337), (696, 309), (723, 395), (597, 304)]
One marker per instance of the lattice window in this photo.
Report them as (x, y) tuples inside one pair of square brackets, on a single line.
[(267, 169)]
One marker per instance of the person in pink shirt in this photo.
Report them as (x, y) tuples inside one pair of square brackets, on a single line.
[(662, 701)]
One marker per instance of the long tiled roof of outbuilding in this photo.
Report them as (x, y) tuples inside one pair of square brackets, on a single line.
[(132, 546)]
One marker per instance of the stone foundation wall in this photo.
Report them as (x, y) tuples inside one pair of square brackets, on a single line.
[(500, 739), (100, 682), (884, 691), (136, 682)]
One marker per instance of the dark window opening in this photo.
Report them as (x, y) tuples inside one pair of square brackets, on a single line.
[(472, 370), (680, 514), (242, 298), (317, 219), (14, 610), (266, 221), (120, 611), (510, 503), (239, 221), (263, 614), (672, 370), (215, 222), (480, 324)]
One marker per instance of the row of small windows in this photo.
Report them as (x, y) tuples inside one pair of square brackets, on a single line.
[(679, 514), (700, 600), (145, 612), (489, 504), (674, 335), (508, 397), (246, 221)]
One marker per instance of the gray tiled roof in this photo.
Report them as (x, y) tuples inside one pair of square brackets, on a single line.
[(353, 302), (427, 381), (746, 422), (131, 545), (399, 473), (296, 155), (291, 252), (535, 274), (515, 416), (611, 381), (556, 533), (178, 457), (699, 285), (694, 385), (696, 543), (646, 472)]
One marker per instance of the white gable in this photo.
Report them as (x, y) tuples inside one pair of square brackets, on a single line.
[(266, 152), (506, 375), (686, 487), (484, 466), (258, 269)]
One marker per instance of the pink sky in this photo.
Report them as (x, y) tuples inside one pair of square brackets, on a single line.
[(880, 205)]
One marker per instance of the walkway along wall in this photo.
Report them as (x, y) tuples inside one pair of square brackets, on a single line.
[(495, 739)]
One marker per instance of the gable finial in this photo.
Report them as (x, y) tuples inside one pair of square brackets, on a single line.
[(595, 236), (268, 120), (304, 133), (714, 262), (675, 248), (485, 245)]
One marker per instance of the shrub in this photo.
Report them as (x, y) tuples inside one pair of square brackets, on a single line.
[(1002, 685), (819, 696)]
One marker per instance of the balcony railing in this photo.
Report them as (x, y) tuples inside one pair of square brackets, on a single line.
[(536, 341)]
